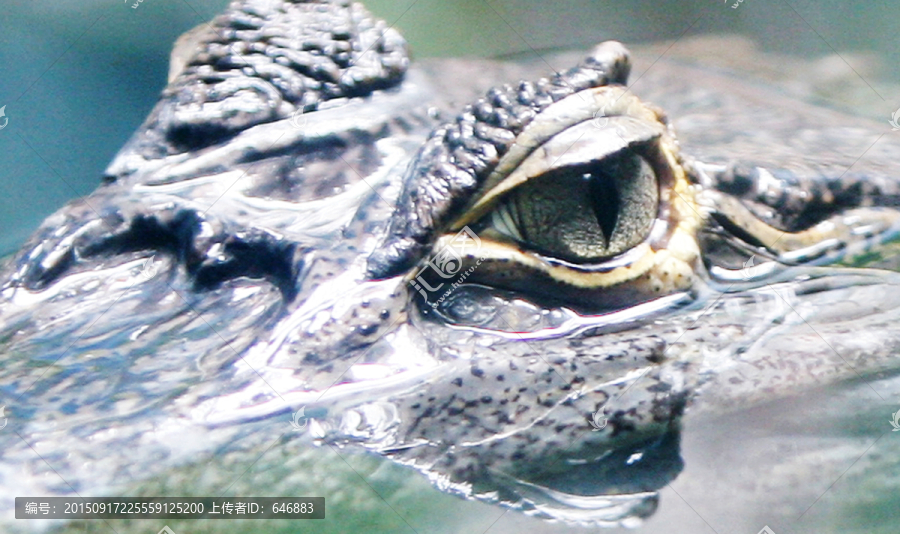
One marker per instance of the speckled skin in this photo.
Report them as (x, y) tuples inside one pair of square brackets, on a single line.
[(286, 249)]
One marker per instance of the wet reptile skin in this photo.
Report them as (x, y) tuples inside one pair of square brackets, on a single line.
[(296, 176)]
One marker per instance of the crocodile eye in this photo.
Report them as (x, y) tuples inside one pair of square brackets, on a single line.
[(589, 206), (595, 214), (583, 213)]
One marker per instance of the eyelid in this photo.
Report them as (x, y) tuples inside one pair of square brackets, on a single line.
[(577, 145), (606, 101)]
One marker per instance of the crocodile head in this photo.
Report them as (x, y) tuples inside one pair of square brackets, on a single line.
[(519, 296)]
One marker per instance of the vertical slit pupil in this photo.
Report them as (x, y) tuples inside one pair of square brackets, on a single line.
[(604, 200)]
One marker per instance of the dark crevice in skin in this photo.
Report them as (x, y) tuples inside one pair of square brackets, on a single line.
[(252, 254), (188, 137), (147, 232), (253, 257), (736, 230)]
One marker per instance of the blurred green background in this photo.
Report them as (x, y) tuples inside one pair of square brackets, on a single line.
[(80, 75)]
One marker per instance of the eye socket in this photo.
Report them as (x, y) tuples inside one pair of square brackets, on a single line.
[(582, 213), (590, 215)]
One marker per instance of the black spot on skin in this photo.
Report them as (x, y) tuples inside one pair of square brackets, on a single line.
[(312, 359), (457, 382), (416, 406), (476, 372), (486, 399), (500, 378), (367, 330), (657, 353)]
